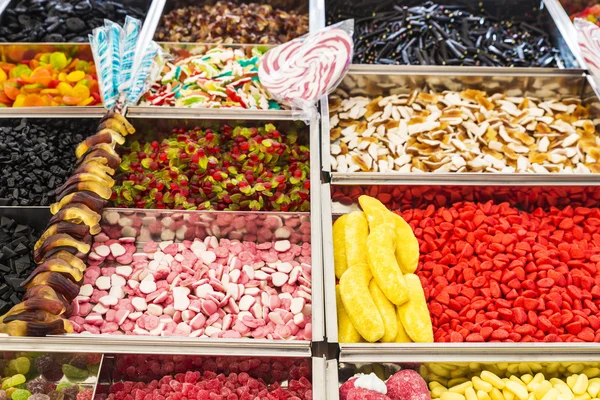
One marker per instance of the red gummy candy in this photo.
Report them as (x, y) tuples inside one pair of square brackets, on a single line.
[(365, 394), (407, 385), (345, 388)]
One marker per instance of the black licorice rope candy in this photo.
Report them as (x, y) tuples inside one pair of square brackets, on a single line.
[(433, 34)]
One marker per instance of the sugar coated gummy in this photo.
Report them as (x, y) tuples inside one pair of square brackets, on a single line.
[(85, 394), (74, 374), (22, 365), (70, 393), (39, 396), (13, 381), (63, 385), (38, 385), (21, 394), (3, 395)]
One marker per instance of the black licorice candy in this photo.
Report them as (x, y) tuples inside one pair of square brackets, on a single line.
[(435, 34)]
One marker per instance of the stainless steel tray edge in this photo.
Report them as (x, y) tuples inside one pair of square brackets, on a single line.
[(329, 274), (86, 343), (98, 377), (468, 352), (318, 314), (566, 28), (319, 378), (332, 380)]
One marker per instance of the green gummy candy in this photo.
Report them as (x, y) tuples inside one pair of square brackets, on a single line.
[(74, 374), (20, 394), (93, 369), (13, 381), (63, 385), (58, 60), (22, 365)]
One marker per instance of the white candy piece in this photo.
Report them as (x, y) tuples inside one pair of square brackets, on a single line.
[(371, 382), (135, 315), (202, 290), (147, 286), (297, 305), (155, 309), (284, 267), (117, 249), (282, 245), (124, 270), (246, 302), (100, 309), (108, 301), (139, 303), (117, 280), (103, 282), (181, 300), (102, 250), (86, 290), (117, 291), (133, 284), (279, 279), (207, 257)]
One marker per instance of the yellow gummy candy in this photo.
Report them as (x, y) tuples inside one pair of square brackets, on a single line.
[(470, 394), (580, 386), (508, 395), (438, 391), (460, 388), (346, 331), (452, 396), (377, 213), (356, 233), (541, 390), (407, 246), (414, 314), (383, 264), (480, 384), (593, 389), (402, 336), (339, 246), (481, 395), (75, 76), (496, 394), (520, 391), (552, 394), (492, 379), (387, 311)]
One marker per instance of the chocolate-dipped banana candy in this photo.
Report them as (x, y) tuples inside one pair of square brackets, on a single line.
[(112, 159), (78, 231), (90, 199), (61, 241), (41, 297), (97, 176), (35, 328), (54, 264), (108, 136), (101, 190), (56, 281), (117, 123), (78, 213)]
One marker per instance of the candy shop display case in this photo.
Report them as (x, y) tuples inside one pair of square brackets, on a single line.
[(545, 13), (554, 373), (412, 200), (217, 374), (371, 82)]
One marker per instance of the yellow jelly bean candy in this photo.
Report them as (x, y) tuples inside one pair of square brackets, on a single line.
[(433, 384), (481, 395), (480, 384), (492, 379), (75, 76), (508, 395), (527, 378), (470, 394), (552, 394), (496, 394), (520, 391), (452, 396), (593, 389), (591, 372), (541, 389), (460, 388), (580, 386), (437, 392), (575, 368)]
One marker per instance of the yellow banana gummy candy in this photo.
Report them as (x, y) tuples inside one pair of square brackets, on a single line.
[(402, 336), (356, 233), (383, 264), (347, 333), (339, 246), (376, 212), (414, 314), (387, 311), (407, 246)]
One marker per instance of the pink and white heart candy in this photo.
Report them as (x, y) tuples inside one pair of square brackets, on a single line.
[(301, 71)]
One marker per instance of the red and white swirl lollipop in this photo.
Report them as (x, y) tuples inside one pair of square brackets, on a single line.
[(301, 71), (589, 43)]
